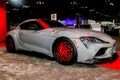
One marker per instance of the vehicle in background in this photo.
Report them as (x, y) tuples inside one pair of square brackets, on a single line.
[(112, 29)]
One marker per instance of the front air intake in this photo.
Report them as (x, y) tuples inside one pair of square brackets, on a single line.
[(101, 51)]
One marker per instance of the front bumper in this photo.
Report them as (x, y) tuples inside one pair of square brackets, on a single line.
[(103, 60)]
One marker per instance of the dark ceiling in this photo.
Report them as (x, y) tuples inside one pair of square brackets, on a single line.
[(89, 9)]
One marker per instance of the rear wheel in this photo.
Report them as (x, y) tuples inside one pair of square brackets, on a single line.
[(10, 45), (65, 51)]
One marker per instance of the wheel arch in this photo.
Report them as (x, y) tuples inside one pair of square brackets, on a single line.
[(9, 36), (13, 37), (8, 41)]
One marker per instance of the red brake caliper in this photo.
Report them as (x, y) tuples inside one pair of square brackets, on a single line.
[(65, 51)]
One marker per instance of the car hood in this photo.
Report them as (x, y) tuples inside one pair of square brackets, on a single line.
[(76, 33), (82, 32)]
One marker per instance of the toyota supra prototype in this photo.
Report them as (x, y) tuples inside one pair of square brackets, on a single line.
[(64, 44)]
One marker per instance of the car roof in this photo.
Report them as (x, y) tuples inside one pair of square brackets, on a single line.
[(27, 20)]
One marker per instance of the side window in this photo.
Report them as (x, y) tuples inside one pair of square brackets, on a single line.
[(24, 26), (32, 25)]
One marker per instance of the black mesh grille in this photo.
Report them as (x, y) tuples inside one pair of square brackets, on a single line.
[(101, 51)]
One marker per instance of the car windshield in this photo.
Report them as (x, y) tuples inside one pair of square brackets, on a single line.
[(53, 23)]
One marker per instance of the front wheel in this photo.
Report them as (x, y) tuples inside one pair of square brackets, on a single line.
[(65, 51), (10, 45)]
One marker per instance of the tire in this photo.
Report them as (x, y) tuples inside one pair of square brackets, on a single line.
[(65, 52), (10, 45)]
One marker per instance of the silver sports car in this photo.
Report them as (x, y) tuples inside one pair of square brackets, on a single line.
[(66, 45)]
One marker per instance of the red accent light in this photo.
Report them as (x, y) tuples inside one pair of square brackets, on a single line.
[(112, 65), (44, 25), (3, 29)]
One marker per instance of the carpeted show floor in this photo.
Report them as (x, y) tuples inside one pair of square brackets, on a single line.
[(112, 65)]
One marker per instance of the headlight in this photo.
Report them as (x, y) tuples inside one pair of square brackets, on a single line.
[(92, 39), (88, 40)]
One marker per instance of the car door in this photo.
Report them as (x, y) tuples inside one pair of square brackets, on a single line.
[(30, 34), (34, 37)]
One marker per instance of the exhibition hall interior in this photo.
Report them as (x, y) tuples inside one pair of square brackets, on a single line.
[(55, 39)]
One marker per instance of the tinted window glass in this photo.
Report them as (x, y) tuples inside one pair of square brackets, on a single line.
[(32, 25)]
